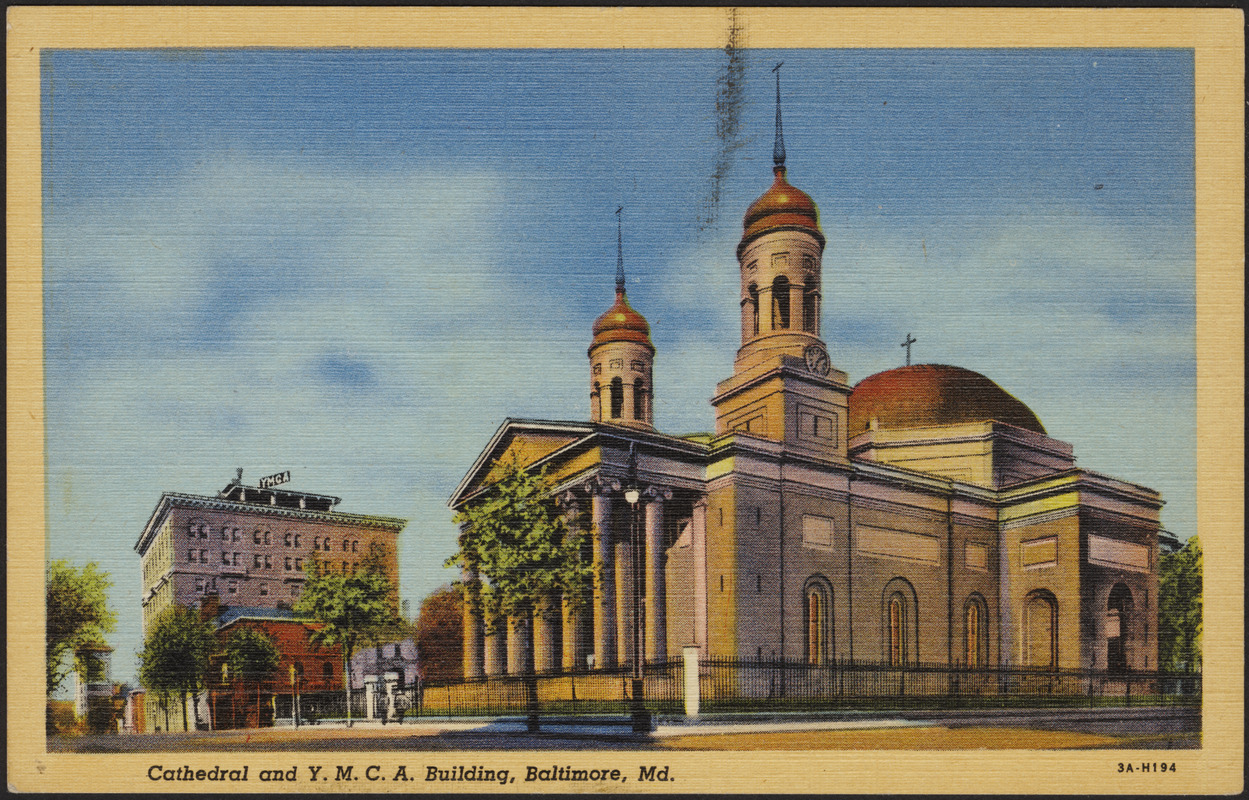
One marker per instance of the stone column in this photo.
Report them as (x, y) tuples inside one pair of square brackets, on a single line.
[(604, 581), (624, 594), (698, 535), (519, 645), (473, 632), (495, 660), (656, 590), (797, 308), (572, 645), (546, 634), (626, 410)]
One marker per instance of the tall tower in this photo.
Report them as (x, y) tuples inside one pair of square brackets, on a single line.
[(621, 359), (783, 386)]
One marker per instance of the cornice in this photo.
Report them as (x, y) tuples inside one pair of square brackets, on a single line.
[(170, 500)]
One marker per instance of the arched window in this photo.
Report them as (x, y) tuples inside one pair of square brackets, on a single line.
[(639, 400), (780, 303), (810, 309), (897, 622), (596, 403), (818, 621), (617, 398), (1118, 608), (899, 615), (1041, 629), (327, 671), (975, 631)]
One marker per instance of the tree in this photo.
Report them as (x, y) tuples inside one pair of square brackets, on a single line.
[(1180, 608), (440, 636), (521, 548), (77, 615), (174, 661), (252, 656), (354, 609)]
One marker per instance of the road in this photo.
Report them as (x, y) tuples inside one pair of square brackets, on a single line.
[(1138, 728)]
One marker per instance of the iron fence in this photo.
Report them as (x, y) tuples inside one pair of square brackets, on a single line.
[(607, 691), (732, 684), (727, 685)]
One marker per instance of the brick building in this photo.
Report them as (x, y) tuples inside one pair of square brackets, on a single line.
[(247, 546)]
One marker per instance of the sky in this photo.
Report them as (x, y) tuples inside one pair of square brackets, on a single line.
[(355, 264)]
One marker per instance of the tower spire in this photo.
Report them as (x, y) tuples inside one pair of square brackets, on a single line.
[(778, 147), (620, 278)]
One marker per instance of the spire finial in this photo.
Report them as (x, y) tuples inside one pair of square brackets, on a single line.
[(778, 148), (620, 279)]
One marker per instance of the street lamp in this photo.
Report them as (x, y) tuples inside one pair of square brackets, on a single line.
[(294, 696), (641, 717)]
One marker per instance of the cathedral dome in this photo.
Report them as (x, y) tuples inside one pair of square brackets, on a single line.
[(621, 323), (934, 394), (781, 206)]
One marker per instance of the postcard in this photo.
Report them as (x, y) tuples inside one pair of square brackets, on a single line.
[(625, 400)]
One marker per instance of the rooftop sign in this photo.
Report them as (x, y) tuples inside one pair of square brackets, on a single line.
[(269, 481)]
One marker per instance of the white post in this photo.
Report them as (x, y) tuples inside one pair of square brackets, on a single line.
[(690, 656)]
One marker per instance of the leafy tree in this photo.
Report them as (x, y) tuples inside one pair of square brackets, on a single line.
[(77, 615), (252, 656), (521, 548), (354, 609), (174, 661), (1180, 607), (440, 636)]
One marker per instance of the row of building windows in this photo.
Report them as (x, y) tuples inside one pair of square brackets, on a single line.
[(781, 306), (261, 536), (615, 399), (209, 586), (259, 560), (1040, 626)]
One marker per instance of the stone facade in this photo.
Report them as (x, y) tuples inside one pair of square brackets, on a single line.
[(923, 515)]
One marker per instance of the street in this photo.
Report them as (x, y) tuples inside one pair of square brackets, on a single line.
[(1135, 728)]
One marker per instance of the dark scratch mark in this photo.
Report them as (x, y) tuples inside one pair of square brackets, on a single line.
[(730, 93)]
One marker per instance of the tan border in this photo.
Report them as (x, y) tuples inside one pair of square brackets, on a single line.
[(1215, 36)]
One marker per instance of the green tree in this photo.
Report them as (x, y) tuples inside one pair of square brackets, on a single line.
[(252, 656), (77, 615), (1180, 607), (354, 608), (174, 661), (440, 636), (521, 548)]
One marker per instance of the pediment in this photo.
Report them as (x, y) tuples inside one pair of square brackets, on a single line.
[(530, 442)]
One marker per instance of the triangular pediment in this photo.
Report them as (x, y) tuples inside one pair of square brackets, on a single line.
[(529, 441)]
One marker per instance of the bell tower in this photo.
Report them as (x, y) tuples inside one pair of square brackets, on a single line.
[(621, 359), (783, 385)]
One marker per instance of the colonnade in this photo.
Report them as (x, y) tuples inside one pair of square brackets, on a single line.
[(598, 632)]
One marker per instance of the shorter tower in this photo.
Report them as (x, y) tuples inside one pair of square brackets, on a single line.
[(621, 359)]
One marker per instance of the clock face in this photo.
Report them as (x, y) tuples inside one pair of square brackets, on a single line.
[(817, 359)]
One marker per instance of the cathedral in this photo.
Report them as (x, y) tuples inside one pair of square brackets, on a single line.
[(920, 516)]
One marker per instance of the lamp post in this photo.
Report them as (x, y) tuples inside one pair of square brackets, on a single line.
[(294, 696), (641, 717)]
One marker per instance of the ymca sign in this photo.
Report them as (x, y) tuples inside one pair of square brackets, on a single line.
[(269, 481)]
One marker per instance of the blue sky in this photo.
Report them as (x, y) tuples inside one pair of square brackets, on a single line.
[(354, 264)]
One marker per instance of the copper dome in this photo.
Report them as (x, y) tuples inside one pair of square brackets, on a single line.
[(781, 206), (934, 394), (621, 323)]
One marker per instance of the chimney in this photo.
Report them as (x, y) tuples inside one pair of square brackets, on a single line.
[(210, 606)]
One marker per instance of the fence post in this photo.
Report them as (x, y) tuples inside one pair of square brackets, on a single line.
[(689, 655)]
